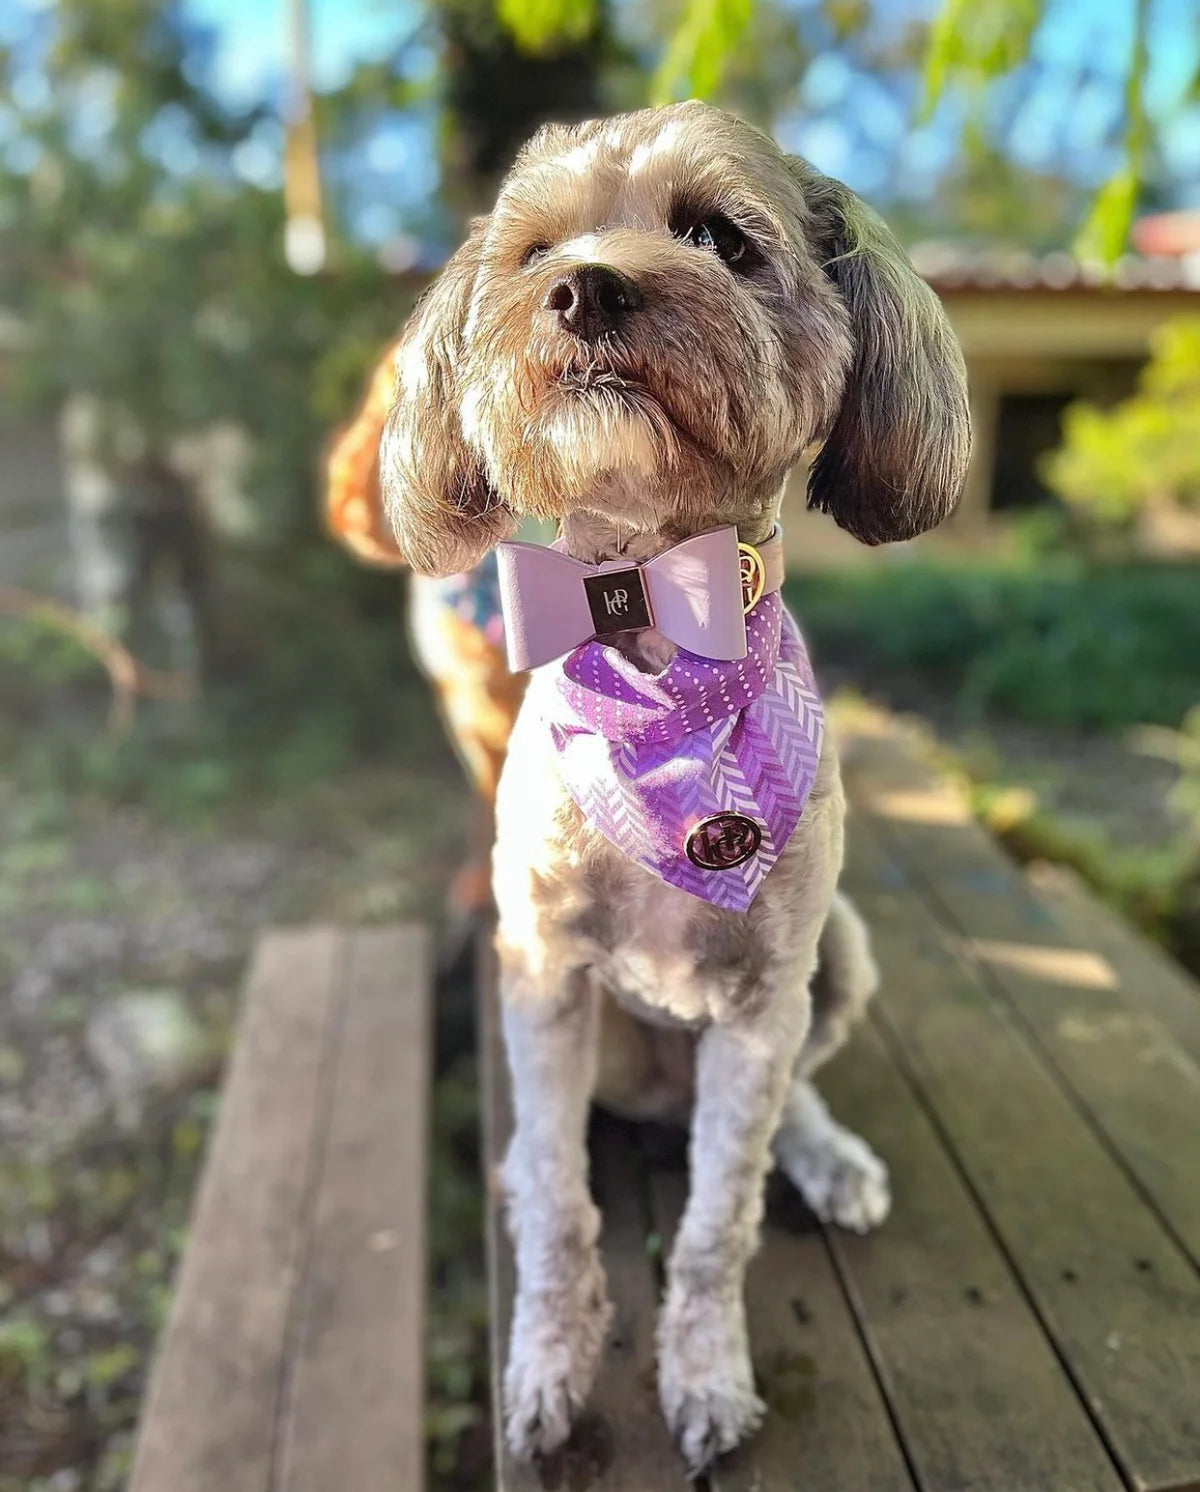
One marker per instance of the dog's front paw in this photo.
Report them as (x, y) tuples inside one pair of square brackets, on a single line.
[(705, 1382), (840, 1177), (552, 1359)]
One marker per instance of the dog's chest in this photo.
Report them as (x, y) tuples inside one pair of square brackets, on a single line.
[(666, 956)]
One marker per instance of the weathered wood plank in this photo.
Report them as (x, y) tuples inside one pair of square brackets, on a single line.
[(1116, 1295), (355, 1398), (626, 1398), (1151, 980), (827, 1427), (213, 1402), (1133, 1079), (622, 1444), (963, 1356)]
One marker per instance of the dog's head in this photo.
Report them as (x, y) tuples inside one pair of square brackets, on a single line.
[(658, 318)]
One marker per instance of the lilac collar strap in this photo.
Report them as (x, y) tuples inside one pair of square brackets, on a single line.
[(699, 773), (696, 593)]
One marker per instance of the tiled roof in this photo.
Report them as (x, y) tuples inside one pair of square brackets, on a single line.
[(950, 267)]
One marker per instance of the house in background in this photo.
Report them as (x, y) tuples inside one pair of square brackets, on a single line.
[(1037, 333)]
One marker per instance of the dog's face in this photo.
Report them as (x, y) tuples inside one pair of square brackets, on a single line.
[(661, 314)]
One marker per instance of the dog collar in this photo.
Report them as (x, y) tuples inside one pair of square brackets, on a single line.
[(697, 593), (699, 773)]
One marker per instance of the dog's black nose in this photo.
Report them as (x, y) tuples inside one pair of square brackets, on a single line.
[(591, 299)]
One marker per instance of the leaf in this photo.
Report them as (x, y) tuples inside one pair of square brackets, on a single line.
[(939, 56), (706, 36), (974, 42), (538, 25), (1105, 230)]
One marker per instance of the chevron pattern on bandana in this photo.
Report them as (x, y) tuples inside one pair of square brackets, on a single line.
[(648, 757)]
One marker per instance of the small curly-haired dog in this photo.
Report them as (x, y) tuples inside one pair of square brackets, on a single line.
[(660, 316)]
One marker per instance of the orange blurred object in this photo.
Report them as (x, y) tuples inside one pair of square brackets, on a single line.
[(1168, 233), (353, 505)]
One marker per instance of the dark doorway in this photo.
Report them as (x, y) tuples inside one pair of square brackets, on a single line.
[(1028, 427)]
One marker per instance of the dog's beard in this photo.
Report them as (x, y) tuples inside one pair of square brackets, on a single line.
[(601, 428), (554, 436)]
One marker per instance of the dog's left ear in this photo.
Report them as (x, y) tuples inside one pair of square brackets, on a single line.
[(895, 460), (437, 496)]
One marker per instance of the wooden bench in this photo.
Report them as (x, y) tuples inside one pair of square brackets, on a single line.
[(1028, 1319), (292, 1359)]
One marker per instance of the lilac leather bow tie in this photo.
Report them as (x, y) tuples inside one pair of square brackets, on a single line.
[(695, 593)]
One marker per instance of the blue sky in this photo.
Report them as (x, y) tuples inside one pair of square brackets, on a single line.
[(252, 38)]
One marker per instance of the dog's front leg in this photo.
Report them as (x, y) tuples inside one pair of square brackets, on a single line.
[(561, 1311), (706, 1383)]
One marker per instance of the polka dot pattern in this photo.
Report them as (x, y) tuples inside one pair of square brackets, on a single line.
[(606, 693)]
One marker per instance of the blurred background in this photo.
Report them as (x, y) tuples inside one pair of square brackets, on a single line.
[(213, 217)]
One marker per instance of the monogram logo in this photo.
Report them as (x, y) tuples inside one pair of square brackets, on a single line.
[(618, 602), (723, 841), (753, 575)]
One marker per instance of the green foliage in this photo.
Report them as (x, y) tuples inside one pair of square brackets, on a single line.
[(24, 1347), (1105, 231), (537, 25), (1064, 643), (320, 680), (1106, 228), (974, 43), (1114, 463), (971, 42), (699, 51), (156, 282)]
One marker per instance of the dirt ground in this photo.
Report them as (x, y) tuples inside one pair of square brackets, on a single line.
[(125, 939)]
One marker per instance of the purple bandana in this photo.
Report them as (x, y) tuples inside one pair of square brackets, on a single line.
[(699, 773)]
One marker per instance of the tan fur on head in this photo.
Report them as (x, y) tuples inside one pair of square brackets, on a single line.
[(692, 408)]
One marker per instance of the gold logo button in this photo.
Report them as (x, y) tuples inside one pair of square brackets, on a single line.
[(723, 841), (753, 575)]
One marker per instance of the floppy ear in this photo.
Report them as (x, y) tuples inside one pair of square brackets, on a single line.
[(436, 493), (895, 459)]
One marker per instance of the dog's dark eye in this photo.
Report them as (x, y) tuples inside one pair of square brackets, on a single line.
[(533, 253), (725, 239)]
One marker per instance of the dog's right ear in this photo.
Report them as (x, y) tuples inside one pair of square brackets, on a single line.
[(438, 499), (895, 461)]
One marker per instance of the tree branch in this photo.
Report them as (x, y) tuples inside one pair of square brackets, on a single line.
[(129, 679)]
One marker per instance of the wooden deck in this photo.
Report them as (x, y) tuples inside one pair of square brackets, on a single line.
[(1028, 1319), (292, 1360)]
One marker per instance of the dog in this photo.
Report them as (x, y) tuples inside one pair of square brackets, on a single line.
[(661, 316)]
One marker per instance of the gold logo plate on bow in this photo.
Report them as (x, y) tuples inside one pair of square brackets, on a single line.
[(753, 574)]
